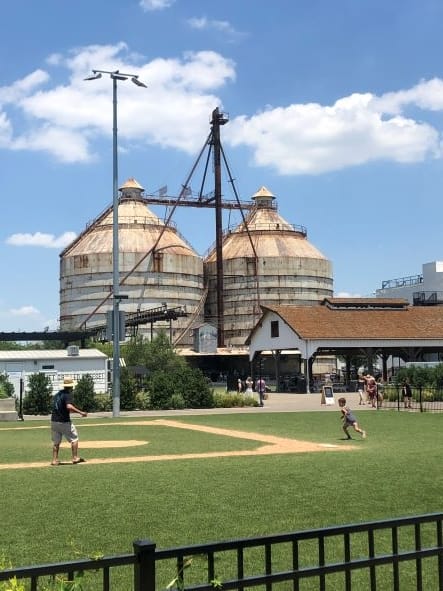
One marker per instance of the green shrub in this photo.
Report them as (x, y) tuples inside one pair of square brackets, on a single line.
[(185, 382), (103, 402), (161, 390), (6, 388), (421, 376), (177, 402), (128, 390), (84, 394), (391, 392), (142, 401), (228, 400), (194, 387), (38, 400)]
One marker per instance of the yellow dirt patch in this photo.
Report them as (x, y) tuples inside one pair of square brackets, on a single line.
[(112, 444), (271, 445)]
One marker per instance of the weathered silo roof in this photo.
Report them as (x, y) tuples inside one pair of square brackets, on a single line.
[(139, 229), (131, 183), (271, 234), (263, 192)]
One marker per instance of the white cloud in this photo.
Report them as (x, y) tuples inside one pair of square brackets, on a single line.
[(24, 311), (347, 295), (22, 87), (64, 120), (26, 318), (427, 95), (313, 138), (221, 26), (41, 239), (149, 5), (68, 146), (5, 130)]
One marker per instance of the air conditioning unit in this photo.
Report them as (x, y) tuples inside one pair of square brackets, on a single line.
[(73, 351)]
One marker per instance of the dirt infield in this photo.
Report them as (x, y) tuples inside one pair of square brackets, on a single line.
[(272, 445), (112, 444)]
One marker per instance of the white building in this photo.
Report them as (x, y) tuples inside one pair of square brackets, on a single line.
[(423, 289), (56, 364)]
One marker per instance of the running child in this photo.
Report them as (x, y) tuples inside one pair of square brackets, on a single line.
[(349, 420)]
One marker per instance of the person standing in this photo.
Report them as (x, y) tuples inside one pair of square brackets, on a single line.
[(407, 394), (239, 386), (361, 386), (349, 419), (260, 386), (61, 425), (371, 390), (249, 384), (380, 389)]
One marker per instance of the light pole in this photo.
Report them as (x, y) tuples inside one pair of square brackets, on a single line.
[(115, 75)]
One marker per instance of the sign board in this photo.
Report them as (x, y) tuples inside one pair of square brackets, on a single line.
[(327, 395)]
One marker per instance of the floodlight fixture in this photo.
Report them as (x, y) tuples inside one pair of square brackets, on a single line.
[(117, 76), (138, 82), (96, 75)]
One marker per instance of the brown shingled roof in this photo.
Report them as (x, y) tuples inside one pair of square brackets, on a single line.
[(321, 322)]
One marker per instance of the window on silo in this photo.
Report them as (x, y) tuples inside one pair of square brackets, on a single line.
[(81, 261), (274, 329), (157, 262), (251, 267)]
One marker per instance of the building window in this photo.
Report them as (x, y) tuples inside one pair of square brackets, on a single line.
[(274, 329), (157, 262), (251, 266), (47, 367)]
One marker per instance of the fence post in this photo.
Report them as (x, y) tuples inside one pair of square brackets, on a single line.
[(421, 398), (144, 566)]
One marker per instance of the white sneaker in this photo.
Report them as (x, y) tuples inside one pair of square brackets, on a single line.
[(363, 435)]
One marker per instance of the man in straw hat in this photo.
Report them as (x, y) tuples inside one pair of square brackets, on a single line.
[(61, 425)]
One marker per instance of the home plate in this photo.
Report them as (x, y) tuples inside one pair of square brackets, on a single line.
[(110, 443)]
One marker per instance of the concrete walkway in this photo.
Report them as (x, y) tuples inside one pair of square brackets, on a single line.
[(277, 402)]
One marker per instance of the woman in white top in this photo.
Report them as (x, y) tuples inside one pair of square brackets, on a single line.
[(249, 384)]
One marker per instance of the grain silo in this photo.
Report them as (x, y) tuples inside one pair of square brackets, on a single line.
[(171, 275), (265, 261)]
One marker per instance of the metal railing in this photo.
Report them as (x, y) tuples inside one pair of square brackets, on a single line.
[(424, 398), (395, 554), (427, 298), (402, 281)]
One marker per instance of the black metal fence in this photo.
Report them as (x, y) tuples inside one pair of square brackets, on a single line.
[(395, 555), (424, 398)]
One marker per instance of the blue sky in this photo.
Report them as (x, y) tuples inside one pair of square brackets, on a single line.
[(336, 107)]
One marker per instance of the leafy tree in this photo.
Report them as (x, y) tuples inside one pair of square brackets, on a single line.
[(84, 393), (421, 376), (10, 346), (438, 376), (184, 388), (6, 388), (162, 387), (194, 387), (157, 354), (170, 381), (128, 390), (134, 351), (105, 348), (39, 396)]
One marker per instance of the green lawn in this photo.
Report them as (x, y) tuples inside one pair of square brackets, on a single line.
[(49, 514)]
